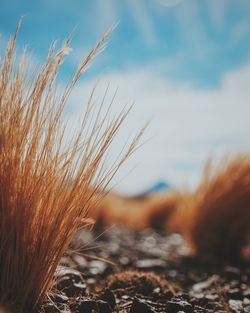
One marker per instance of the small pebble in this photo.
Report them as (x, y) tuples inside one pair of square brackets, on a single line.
[(139, 306), (87, 305), (103, 307), (236, 306), (109, 297), (175, 306), (234, 294), (150, 264), (246, 293), (97, 267), (232, 272)]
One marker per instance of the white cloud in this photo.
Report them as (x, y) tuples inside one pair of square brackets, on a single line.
[(217, 12), (193, 31), (240, 32), (107, 13), (188, 124), (143, 19)]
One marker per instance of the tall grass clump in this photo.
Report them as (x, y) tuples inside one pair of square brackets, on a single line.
[(220, 210), (47, 186)]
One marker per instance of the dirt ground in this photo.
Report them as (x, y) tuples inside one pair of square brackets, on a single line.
[(127, 271)]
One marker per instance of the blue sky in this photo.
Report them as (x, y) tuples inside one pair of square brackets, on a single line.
[(203, 38), (186, 63)]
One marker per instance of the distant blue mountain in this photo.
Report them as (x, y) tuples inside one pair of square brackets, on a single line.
[(159, 186)]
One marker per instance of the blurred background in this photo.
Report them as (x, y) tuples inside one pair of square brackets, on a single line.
[(184, 63)]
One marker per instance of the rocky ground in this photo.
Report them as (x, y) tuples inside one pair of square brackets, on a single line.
[(120, 270)]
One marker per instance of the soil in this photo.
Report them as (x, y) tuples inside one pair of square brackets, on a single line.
[(128, 271)]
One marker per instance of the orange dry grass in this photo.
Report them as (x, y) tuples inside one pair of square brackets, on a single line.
[(120, 210), (162, 208), (215, 218), (138, 212), (218, 224), (46, 187)]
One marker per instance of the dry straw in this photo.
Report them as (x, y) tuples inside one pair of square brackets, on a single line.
[(46, 186), (220, 209)]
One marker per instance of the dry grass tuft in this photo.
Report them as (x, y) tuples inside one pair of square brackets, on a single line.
[(162, 210), (220, 210), (134, 282), (137, 212), (214, 219), (46, 186), (116, 209)]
